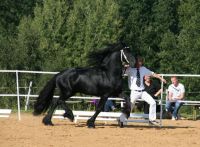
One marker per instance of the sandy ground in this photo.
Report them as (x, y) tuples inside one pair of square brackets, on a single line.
[(30, 132)]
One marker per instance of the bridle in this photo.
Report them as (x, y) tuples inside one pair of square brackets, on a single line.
[(123, 56)]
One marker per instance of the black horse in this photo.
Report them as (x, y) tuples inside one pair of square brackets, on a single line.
[(103, 80)]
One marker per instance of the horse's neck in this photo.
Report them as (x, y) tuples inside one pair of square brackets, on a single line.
[(113, 65)]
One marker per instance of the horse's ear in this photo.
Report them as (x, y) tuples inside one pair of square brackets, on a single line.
[(123, 43)]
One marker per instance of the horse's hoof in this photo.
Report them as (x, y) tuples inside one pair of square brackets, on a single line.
[(70, 117), (35, 113), (90, 124), (47, 122)]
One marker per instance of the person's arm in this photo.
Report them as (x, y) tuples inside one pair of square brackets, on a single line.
[(167, 95), (170, 96), (180, 97), (157, 88), (159, 77), (158, 93), (151, 73)]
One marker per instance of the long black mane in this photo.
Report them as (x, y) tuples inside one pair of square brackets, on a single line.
[(96, 58)]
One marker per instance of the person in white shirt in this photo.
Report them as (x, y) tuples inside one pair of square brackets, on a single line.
[(176, 93), (135, 82)]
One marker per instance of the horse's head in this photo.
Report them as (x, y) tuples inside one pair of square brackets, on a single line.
[(103, 57), (126, 56)]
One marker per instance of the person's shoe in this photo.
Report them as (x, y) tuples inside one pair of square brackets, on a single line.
[(174, 118), (168, 115), (154, 123), (113, 108)]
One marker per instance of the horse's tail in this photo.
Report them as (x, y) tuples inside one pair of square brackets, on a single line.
[(45, 97)]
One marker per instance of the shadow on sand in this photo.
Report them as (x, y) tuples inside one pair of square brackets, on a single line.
[(136, 126)]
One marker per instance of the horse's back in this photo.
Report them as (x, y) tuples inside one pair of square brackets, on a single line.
[(92, 81)]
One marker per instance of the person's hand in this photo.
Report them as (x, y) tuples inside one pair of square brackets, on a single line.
[(126, 65), (174, 98), (163, 80), (169, 99)]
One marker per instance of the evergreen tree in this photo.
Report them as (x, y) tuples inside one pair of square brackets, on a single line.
[(189, 42), (11, 12), (189, 37), (166, 30), (65, 31), (147, 28)]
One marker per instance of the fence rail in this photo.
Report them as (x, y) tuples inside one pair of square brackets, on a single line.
[(18, 95)]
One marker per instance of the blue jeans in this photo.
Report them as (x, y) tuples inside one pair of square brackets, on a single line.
[(174, 110), (109, 106)]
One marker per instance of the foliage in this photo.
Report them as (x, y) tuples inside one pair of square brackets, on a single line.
[(58, 34)]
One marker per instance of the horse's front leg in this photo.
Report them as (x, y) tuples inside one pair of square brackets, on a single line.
[(47, 119), (127, 106), (126, 110), (90, 122)]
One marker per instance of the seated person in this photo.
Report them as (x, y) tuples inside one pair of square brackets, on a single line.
[(109, 106), (154, 90), (176, 92)]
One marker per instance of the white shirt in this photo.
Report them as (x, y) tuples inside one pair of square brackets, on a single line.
[(132, 77), (176, 91)]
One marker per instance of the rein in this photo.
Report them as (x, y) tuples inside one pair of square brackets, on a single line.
[(124, 62), (123, 55)]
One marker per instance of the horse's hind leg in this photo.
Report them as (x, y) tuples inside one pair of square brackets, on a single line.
[(65, 94), (68, 112), (90, 122), (47, 118)]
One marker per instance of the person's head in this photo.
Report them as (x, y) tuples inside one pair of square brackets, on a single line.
[(174, 80), (139, 61), (147, 78)]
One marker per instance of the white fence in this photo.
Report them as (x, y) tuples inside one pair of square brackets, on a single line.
[(28, 95), (18, 95), (17, 84), (5, 112)]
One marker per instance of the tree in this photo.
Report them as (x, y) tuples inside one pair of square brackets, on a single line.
[(147, 27), (90, 25), (189, 41), (65, 31), (11, 12), (189, 37)]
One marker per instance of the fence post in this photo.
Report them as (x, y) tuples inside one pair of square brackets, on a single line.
[(161, 99), (18, 98), (28, 96)]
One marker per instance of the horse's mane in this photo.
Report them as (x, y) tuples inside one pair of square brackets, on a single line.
[(96, 58)]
